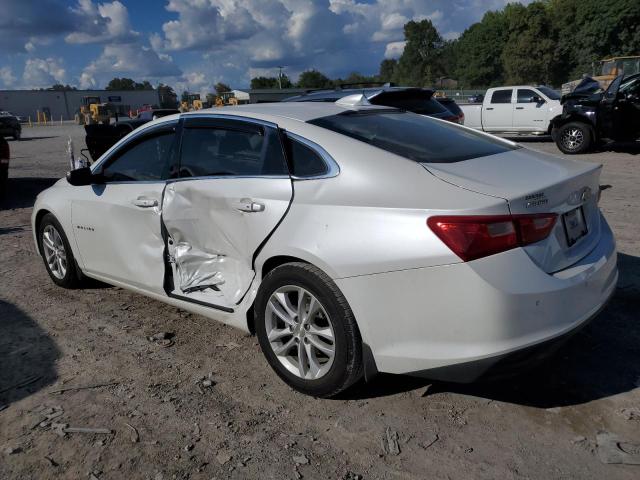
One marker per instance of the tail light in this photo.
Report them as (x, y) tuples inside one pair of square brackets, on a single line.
[(472, 237)]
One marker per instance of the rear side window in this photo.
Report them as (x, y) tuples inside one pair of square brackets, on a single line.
[(415, 137), (305, 162), (228, 151), (146, 160), (501, 96)]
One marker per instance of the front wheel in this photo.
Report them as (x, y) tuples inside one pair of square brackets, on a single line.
[(307, 330), (574, 138), (56, 253), (17, 134)]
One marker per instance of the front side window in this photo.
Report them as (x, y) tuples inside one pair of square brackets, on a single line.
[(146, 159), (231, 150), (412, 136), (526, 96), (501, 96)]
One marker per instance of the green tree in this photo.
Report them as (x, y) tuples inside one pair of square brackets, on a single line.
[(387, 69), (168, 97), (221, 88), (313, 79), (58, 87), (420, 62), (128, 84), (477, 52), (264, 82), (528, 54)]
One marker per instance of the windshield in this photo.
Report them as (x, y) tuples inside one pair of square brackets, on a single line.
[(550, 93), (412, 136)]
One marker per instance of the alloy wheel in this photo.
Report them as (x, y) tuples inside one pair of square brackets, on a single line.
[(54, 251), (300, 332), (572, 138)]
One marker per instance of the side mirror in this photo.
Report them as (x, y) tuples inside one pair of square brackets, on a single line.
[(83, 176), (536, 99)]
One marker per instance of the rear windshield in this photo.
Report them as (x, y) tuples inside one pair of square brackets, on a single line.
[(418, 102), (412, 136)]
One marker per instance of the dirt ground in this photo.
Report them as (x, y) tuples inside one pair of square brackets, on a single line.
[(209, 406)]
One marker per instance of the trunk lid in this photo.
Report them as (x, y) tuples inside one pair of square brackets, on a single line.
[(533, 182)]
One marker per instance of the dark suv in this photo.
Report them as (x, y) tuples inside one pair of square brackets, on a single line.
[(417, 100), (590, 115), (10, 126)]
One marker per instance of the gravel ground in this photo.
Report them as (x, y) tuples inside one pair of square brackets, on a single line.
[(209, 406)]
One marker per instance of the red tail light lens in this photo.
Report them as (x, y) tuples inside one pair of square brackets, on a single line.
[(472, 237)]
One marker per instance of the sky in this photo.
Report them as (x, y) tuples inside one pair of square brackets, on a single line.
[(193, 44)]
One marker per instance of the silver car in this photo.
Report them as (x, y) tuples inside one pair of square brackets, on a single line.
[(351, 239)]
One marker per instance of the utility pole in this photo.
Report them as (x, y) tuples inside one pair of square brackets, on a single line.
[(280, 77)]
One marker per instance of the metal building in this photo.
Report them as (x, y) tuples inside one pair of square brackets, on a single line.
[(65, 104)]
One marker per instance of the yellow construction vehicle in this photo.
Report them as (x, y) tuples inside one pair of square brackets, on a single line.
[(192, 103), (92, 111), (226, 98), (608, 69)]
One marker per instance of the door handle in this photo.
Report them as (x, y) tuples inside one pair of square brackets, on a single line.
[(249, 206), (519, 108), (145, 202), (489, 108)]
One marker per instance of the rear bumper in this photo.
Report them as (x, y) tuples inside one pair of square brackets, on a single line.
[(455, 322)]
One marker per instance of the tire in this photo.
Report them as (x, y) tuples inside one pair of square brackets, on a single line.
[(574, 138), (64, 273), (333, 317), (17, 134)]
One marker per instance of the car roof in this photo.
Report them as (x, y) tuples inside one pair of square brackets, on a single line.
[(301, 111)]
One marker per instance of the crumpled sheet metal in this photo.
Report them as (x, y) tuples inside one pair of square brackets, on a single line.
[(197, 270), (206, 259)]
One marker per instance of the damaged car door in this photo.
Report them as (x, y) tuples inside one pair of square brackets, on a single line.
[(233, 189), (116, 222)]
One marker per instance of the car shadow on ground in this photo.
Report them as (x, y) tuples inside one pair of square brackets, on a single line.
[(28, 139), (22, 191), (27, 355), (601, 360), (632, 148)]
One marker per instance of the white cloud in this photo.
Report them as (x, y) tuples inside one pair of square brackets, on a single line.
[(105, 22), (394, 49), (40, 72), (6, 76), (132, 60)]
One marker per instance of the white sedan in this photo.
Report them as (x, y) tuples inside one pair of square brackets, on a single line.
[(351, 239)]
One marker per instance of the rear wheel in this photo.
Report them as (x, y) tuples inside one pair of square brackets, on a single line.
[(574, 137), (307, 330), (56, 253)]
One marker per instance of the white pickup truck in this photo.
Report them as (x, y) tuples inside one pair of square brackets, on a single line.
[(519, 109)]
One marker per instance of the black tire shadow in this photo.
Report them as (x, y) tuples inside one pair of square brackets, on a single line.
[(27, 355), (632, 148), (601, 360), (22, 191)]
